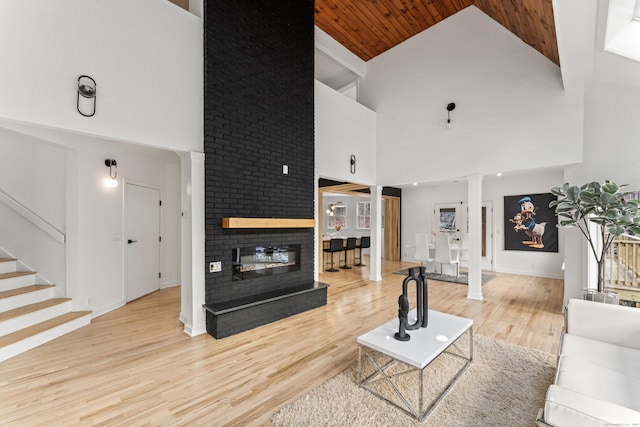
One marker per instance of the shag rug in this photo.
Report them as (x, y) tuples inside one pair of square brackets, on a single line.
[(462, 279), (504, 386)]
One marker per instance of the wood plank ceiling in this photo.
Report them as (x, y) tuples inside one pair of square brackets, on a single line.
[(370, 27)]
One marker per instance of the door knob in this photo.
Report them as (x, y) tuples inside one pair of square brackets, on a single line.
[(131, 241)]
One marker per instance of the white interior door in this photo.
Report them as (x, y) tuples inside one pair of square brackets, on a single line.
[(142, 241)]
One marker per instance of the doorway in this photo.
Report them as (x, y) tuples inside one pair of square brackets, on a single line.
[(453, 218), (391, 224), (142, 241)]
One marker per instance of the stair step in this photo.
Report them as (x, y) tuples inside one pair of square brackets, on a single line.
[(13, 274), (26, 333), (16, 279), (21, 291), (17, 297), (31, 308), (8, 265)]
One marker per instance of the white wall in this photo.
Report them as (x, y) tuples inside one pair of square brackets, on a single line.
[(94, 220), (611, 151), (145, 55), (417, 217), (351, 202), (342, 128), (542, 264), (33, 173), (43, 192), (511, 109)]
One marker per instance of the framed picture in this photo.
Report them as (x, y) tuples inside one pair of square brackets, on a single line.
[(447, 219), (529, 223)]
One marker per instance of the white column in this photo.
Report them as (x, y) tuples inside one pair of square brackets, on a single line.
[(192, 244), (474, 197), (317, 231), (375, 252)]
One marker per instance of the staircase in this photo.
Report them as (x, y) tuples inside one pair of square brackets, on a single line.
[(29, 314)]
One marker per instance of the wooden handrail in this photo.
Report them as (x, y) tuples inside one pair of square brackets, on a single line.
[(32, 217)]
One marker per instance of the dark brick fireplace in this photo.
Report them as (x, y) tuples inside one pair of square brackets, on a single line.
[(259, 116)]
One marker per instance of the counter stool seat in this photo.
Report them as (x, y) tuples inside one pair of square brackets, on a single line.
[(349, 246), (365, 242), (335, 245)]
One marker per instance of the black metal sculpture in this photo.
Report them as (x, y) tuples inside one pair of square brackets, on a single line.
[(403, 312), (417, 275)]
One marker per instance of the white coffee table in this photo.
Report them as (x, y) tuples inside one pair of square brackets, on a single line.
[(425, 345)]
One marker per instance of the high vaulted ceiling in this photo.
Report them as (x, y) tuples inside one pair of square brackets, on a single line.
[(370, 27)]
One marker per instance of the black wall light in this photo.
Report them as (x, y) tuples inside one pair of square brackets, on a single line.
[(113, 173), (87, 88), (450, 107), (352, 162)]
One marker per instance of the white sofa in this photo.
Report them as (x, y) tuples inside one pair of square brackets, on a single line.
[(597, 380)]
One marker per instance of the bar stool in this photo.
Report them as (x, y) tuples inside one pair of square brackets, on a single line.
[(350, 246), (365, 242), (335, 245)]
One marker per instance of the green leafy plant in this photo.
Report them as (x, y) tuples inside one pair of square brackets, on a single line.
[(604, 204)]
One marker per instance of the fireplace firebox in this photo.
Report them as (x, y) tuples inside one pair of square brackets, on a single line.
[(260, 261)]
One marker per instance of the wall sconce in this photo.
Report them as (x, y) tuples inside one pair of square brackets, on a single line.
[(87, 88), (352, 162), (450, 107), (111, 182)]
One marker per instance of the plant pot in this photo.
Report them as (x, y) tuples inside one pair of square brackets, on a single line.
[(589, 294)]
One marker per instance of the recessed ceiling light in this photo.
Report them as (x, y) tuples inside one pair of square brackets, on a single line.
[(415, 183), (499, 174)]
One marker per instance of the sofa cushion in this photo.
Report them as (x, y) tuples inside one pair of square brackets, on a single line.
[(615, 324), (564, 407), (598, 382), (610, 356)]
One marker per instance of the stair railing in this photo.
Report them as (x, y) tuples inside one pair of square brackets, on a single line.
[(33, 217), (623, 262)]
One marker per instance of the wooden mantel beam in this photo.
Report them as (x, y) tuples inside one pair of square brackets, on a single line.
[(268, 223)]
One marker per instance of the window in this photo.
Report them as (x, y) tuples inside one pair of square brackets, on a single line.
[(364, 215), (339, 217)]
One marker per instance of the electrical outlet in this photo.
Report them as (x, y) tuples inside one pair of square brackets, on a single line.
[(215, 266)]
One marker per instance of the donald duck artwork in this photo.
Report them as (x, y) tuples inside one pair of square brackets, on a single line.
[(526, 223)]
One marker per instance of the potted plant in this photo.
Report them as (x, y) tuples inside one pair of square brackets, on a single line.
[(604, 204)]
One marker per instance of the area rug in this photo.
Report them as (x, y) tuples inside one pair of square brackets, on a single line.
[(462, 279), (504, 386)]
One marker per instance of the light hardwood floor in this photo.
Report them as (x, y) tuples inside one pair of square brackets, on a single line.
[(135, 366)]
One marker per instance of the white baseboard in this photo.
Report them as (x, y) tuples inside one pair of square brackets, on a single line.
[(530, 273), (477, 297), (171, 284), (193, 331), (106, 309)]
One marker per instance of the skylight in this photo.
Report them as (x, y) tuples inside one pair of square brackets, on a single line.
[(622, 35)]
